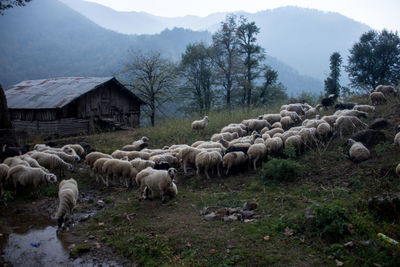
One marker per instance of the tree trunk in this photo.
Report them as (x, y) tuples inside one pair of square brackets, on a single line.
[(5, 122), (153, 111)]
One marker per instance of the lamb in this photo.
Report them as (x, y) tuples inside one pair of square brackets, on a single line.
[(93, 156), (208, 161), (27, 176), (345, 124), (137, 145), (358, 152), (200, 124), (113, 168), (296, 142), (234, 159), (387, 90), (226, 136), (158, 182), (274, 146), (369, 137), (67, 196), (287, 123), (377, 98), (342, 105), (272, 118), (365, 108), (398, 170), (51, 162), (256, 153)]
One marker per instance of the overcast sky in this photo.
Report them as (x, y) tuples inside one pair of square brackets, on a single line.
[(378, 14)]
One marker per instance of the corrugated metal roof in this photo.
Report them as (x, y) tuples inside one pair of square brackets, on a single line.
[(50, 93)]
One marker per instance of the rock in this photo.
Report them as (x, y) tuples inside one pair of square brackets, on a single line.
[(247, 214), (385, 206), (221, 212), (227, 219), (210, 217), (91, 237), (100, 203), (250, 206), (233, 210)]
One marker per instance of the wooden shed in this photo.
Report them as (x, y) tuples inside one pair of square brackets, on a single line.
[(72, 105)]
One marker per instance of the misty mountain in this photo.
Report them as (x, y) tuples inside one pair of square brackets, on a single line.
[(48, 39), (302, 38)]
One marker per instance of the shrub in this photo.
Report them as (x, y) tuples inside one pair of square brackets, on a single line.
[(280, 170), (331, 221)]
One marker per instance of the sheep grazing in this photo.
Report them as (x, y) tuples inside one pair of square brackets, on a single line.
[(64, 156), (397, 139), (32, 162), (379, 124), (297, 107), (15, 161), (51, 162), (235, 160), (234, 129), (369, 137), (296, 142), (387, 90), (78, 149), (114, 168), (287, 123), (324, 131), (171, 193), (358, 152), (27, 176), (351, 112), (330, 119), (309, 137), (365, 108), (328, 101), (67, 197), (225, 136), (141, 164), (97, 169), (272, 118), (158, 182), (398, 170), (188, 157), (377, 98), (168, 158), (344, 106), (200, 124), (274, 146), (311, 113), (347, 124), (93, 156), (206, 161), (256, 153), (3, 175), (258, 124)]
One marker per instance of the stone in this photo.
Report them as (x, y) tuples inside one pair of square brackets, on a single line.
[(250, 206), (100, 203), (227, 219), (247, 214), (385, 206), (309, 213), (210, 217), (221, 212)]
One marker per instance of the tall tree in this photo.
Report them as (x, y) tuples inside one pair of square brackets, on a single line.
[(332, 85), (270, 79), (6, 4), (197, 69), (152, 76), (5, 122), (252, 54), (374, 60), (226, 55)]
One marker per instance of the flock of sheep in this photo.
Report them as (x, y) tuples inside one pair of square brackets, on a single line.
[(237, 147)]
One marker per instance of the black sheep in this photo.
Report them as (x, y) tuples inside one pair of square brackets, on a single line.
[(237, 149), (344, 106), (369, 137)]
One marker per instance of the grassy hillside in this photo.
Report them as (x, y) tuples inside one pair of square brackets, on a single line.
[(337, 228)]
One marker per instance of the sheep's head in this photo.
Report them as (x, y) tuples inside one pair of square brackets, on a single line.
[(51, 178), (349, 142), (223, 142), (145, 139), (70, 167), (172, 173), (77, 158), (67, 149), (206, 118)]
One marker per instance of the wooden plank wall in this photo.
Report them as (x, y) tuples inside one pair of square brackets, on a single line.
[(63, 127)]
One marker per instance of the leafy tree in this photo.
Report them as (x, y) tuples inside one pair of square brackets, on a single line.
[(252, 55), (6, 4), (332, 85), (226, 55), (152, 77), (197, 69), (5, 122), (271, 78), (374, 60)]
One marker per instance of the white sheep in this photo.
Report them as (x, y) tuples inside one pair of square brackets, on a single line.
[(234, 159), (15, 161), (137, 145), (67, 196), (212, 145), (158, 182), (51, 162), (387, 90), (398, 170), (200, 124), (297, 107), (296, 142), (93, 156), (351, 112), (276, 125), (64, 156), (234, 129), (311, 113), (323, 131), (256, 153), (114, 168), (397, 139), (346, 124), (3, 175), (78, 149), (287, 122), (295, 117), (27, 176), (377, 98), (309, 137), (171, 192), (272, 118), (141, 164), (258, 124), (272, 132), (98, 170), (188, 157), (365, 108), (274, 146), (167, 157), (358, 152), (206, 161), (225, 136), (312, 123)]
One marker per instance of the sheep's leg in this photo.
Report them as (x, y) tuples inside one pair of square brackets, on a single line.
[(255, 163), (206, 172), (218, 172), (184, 167)]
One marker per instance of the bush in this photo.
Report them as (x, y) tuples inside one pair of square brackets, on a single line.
[(331, 221), (280, 170)]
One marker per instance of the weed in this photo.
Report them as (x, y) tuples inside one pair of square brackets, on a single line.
[(280, 170)]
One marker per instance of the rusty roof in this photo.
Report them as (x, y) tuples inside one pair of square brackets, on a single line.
[(52, 93)]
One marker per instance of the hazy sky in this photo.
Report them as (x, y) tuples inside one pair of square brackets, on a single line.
[(378, 14)]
